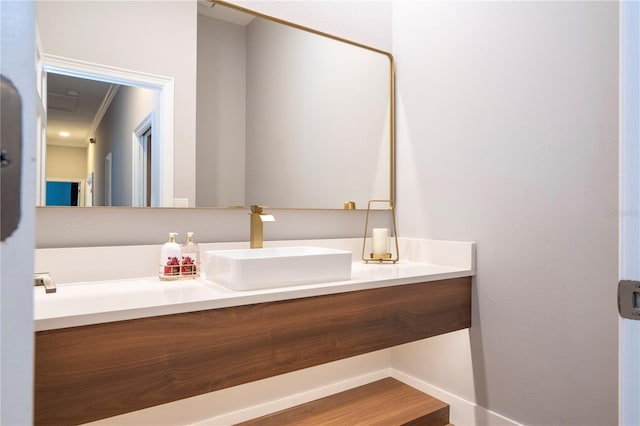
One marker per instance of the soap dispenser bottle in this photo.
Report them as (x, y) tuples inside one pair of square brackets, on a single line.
[(190, 257), (170, 258)]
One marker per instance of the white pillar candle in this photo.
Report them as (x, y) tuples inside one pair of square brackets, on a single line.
[(380, 240)]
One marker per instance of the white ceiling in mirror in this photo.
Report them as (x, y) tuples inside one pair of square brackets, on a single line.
[(73, 106)]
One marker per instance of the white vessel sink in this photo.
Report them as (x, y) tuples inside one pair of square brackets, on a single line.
[(251, 269)]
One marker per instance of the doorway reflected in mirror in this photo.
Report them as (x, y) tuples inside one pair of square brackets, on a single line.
[(63, 193)]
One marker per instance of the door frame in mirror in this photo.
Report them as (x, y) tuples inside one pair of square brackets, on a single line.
[(165, 116)]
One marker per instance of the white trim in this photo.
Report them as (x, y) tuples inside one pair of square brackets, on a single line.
[(88, 194), (138, 165), (461, 411), (108, 180), (289, 401), (41, 123), (41, 155), (163, 133), (83, 69), (102, 110), (629, 208), (166, 142), (41, 90)]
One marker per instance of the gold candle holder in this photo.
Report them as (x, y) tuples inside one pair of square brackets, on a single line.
[(378, 253)]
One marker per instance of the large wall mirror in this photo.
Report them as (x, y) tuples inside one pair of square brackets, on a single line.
[(286, 117)]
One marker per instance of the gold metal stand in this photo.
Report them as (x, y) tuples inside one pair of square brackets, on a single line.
[(380, 257)]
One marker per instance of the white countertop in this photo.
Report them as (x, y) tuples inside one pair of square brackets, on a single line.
[(92, 302)]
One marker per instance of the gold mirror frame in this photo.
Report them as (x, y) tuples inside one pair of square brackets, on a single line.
[(391, 123)]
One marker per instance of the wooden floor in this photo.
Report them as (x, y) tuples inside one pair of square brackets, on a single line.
[(387, 402)]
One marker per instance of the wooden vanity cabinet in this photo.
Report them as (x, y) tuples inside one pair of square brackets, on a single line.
[(96, 371)]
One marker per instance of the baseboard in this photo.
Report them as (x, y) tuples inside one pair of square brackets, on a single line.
[(462, 412), (289, 401)]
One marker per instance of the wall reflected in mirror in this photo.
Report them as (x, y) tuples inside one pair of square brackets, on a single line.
[(305, 118), (285, 118)]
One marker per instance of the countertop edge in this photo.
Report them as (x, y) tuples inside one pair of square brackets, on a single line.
[(240, 298)]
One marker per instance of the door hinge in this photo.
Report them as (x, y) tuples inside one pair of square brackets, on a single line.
[(629, 299), (10, 157)]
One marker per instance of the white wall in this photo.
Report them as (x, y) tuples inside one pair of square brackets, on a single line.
[(508, 136), (153, 37), (17, 47), (221, 113), (65, 162)]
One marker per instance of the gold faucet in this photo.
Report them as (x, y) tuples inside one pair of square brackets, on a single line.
[(257, 217)]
